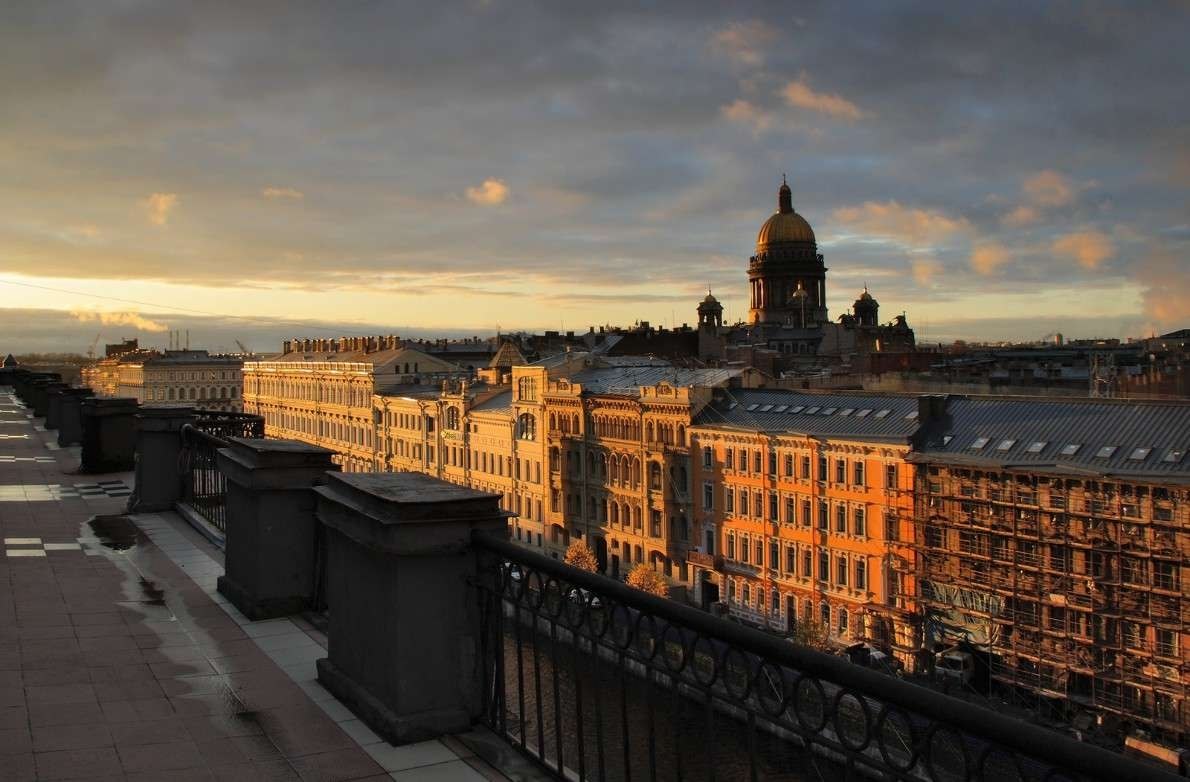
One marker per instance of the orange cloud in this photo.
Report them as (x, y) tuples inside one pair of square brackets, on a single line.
[(744, 42), (924, 271), (908, 225), (1090, 248), (282, 192), (131, 319), (988, 256), (492, 192), (1167, 288), (748, 113), (1021, 216), (158, 207), (1049, 188), (799, 95)]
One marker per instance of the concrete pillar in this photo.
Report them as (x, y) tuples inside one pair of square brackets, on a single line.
[(404, 625), (53, 404), (158, 448), (109, 434), (270, 554), (70, 419), (38, 392)]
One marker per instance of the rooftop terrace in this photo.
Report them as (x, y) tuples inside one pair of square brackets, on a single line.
[(120, 660)]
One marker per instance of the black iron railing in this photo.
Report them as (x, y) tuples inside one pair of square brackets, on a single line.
[(595, 680), (204, 488), (226, 425)]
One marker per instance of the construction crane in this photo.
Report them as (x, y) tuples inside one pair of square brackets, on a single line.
[(242, 348), (94, 344)]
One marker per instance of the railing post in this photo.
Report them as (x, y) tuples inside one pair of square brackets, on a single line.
[(70, 419), (109, 434), (270, 551), (404, 618), (53, 404), (158, 451), (37, 392)]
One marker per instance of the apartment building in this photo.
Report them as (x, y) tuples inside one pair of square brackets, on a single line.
[(193, 378), (805, 511), (320, 391), (1054, 537)]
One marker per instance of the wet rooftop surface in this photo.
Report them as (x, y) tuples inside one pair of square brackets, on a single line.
[(120, 661)]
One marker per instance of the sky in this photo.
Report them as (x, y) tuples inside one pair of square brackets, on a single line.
[(255, 170)]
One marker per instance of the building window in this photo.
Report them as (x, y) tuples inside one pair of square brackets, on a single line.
[(745, 549), (823, 516), (825, 614), (788, 465), (890, 476), (824, 566), (729, 459), (707, 457), (772, 463), (743, 502), (1167, 642), (861, 524), (790, 510), (806, 467), (807, 564), (774, 555), (791, 560), (806, 515), (773, 506), (759, 553), (729, 500), (730, 545), (891, 531), (858, 471), (840, 471), (708, 495), (843, 621), (841, 571), (861, 574), (526, 426), (841, 519), (822, 468), (747, 594)]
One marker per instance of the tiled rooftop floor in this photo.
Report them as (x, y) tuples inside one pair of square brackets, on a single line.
[(118, 660)]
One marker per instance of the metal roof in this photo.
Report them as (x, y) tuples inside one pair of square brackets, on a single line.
[(854, 416), (1113, 437), (500, 403), (627, 380)]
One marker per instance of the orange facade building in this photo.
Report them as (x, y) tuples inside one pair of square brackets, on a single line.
[(806, 514)]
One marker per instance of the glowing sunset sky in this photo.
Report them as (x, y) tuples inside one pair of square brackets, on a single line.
[(995, 170)]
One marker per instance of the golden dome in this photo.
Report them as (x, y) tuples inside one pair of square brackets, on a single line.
[(786, 225)]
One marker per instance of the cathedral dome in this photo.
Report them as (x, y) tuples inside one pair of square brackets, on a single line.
[(786, 225)]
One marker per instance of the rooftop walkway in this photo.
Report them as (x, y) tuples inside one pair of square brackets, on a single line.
[(120, 661)]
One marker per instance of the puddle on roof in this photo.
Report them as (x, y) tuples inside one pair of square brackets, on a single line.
[(117, 533)]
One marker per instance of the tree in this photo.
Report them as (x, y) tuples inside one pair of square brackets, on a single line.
[(813, 634), (581, 557), (646, 579)]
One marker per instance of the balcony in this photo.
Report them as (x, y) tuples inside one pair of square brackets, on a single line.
[(583, 676)]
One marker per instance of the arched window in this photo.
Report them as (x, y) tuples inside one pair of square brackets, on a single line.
[(654, 476), (553, 422), (452, 418), (526, 427), (649, 431), (527, 389), (843, 621), (171, 393), (575, 424), (555, 459), (636, 472), (615, 513), (825, 611), (681, 435)]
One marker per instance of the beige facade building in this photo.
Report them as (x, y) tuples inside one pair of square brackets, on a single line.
[(320, 391), (192, 378)]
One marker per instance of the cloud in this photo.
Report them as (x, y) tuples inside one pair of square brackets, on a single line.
[(131, 319), (1049, 188), (987, 257), (492, 192), (1021, 216), (907, 225), (924, 271), (747, 113), (282, 192), (1167, 287), (799, 95), (744, 43), (1090, 248), (158, 207)]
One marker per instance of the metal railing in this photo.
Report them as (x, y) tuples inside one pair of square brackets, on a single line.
[(593, 679), (204, 487), (226, 425)]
